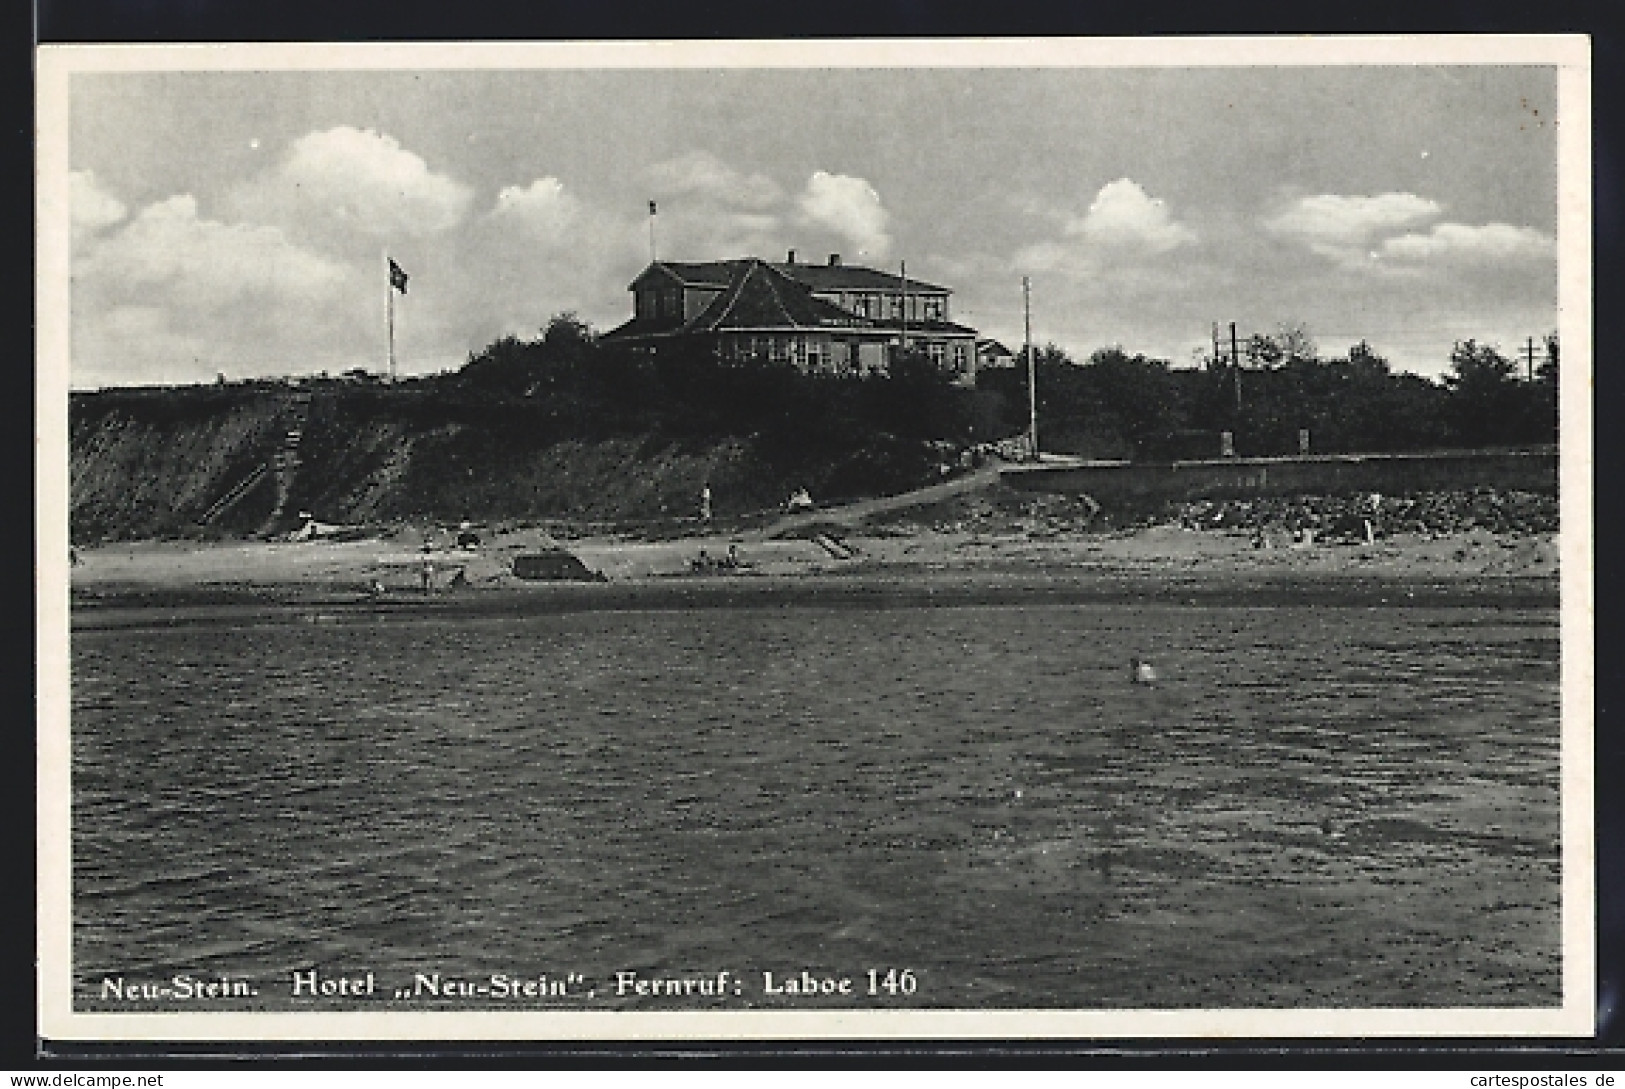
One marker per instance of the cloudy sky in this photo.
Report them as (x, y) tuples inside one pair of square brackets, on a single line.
[(236, 222)]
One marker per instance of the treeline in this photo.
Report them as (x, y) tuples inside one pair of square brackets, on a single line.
[(1121, 405), (836, 437), (857, 436)]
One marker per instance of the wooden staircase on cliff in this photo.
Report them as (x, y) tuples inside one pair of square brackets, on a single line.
[(286, 461)]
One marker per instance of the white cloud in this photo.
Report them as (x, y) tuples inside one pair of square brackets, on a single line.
[(1122, 225), (1344, 229), (1381, 235), (1124, 216), (173, 289), (168, 248), (543, 209), (1457, 243), (1330, 218), (357, 179), (701, 174), (90, 206), (851, 208)]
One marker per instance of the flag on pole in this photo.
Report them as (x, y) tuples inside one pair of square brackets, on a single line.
[(651, 207), (397, 277)]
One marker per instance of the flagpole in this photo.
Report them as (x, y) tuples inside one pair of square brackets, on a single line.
[(652, 232), (389, 318)]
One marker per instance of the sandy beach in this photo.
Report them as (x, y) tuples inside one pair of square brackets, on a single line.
[(1008, 562)]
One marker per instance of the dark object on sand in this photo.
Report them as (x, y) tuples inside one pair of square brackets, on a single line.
[(557, 565), (468, 539), (705, 564)]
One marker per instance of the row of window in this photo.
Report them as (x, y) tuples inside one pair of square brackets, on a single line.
[(815, 353), (875, 305)]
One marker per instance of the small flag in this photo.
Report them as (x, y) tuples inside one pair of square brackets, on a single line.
[(397, 277), (651, 207)]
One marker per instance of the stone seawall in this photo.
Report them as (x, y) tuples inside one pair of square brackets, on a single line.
[(1114, 484)]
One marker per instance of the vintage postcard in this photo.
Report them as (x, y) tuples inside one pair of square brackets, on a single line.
[(847, 540)]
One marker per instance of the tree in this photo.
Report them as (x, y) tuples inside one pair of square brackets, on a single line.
[(1485, 403), (1548, 369), (1295, 343), (566, 338), (1262, 350), (1364, 361)]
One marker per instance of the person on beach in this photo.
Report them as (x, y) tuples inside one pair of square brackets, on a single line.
[(705, 503), (427, 574)]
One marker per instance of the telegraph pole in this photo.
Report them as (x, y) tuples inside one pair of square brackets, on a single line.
[(651, 232), (1215, 344), (1529, 357), (902, 268), (1032, 374)]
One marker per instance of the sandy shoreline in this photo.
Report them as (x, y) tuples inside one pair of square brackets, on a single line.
[(118, 584)]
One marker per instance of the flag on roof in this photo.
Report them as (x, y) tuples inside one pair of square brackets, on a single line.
[(651, 207), (397, 277)]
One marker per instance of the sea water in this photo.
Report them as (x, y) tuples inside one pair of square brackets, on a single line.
[(1315, 806)]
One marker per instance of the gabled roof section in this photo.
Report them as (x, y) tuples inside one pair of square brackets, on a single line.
[(762, 297), (718, 274), (854, 278), (643, 327)]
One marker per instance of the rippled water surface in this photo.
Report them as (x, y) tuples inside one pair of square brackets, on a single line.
[(1341, 806)]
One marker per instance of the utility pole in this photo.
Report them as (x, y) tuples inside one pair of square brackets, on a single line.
[(1235, 364), (1215, 344), (651, 232), (1032, 373), (1529, 357), (902, 268)]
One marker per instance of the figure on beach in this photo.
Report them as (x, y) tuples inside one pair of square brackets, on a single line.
[(705, 503), (426, 573)]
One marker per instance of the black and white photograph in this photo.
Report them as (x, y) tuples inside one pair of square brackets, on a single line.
[(1066, 538)]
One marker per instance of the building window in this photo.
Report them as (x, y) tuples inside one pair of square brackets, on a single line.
[(934, 349), (961, 358), (933, 308)]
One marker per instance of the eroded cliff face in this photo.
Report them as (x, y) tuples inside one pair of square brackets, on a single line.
[(150, 464), (241, 461)]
